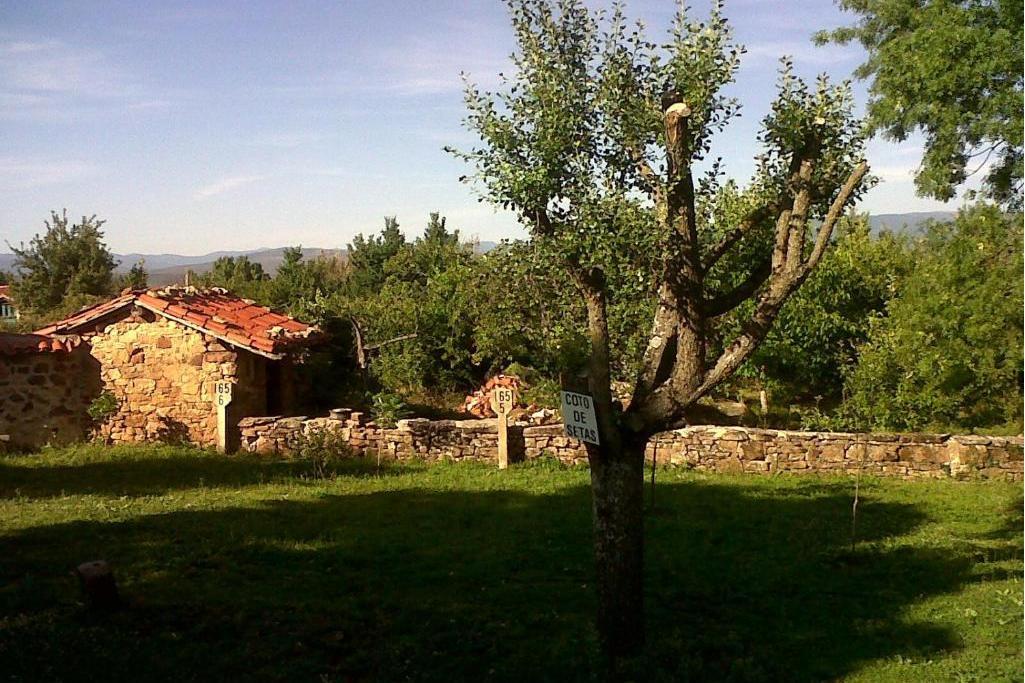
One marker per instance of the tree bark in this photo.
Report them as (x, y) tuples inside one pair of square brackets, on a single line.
[(617, 487)]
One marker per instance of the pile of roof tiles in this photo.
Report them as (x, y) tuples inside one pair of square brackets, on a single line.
[(479, 402)]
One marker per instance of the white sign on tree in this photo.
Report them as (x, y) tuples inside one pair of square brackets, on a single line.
[(578, 417)]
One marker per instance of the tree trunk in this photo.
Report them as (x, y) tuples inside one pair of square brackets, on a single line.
[(617, 486)]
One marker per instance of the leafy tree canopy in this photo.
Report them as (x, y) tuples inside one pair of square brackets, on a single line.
[(67, 260), (367, 256), (135, 278), (951, 69), (949, 352)]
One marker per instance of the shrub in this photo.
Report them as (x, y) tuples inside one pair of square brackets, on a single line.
[(388, 409), (322, 450), (102, 407)]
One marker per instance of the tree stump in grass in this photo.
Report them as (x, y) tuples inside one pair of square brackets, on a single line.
[(98, 585)]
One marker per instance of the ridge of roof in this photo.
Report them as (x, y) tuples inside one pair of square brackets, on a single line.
[(214, 311)]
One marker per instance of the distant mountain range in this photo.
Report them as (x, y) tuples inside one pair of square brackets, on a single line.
[(166, 269), (907, 223)]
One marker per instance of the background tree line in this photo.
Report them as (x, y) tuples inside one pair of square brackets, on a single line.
[(909, 332)]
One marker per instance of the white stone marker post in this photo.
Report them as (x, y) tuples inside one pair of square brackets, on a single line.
[(223, 392), (503, 400)]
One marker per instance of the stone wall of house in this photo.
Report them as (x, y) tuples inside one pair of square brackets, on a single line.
[(716, 449), (44, 397), (163, 374)]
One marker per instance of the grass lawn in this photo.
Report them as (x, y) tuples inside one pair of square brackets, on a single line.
[(240, 569)]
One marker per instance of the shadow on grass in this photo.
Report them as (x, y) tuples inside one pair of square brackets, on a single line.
[(744, 584), (150, 476)]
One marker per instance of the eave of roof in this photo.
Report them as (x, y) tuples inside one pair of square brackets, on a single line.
[(11, 344)]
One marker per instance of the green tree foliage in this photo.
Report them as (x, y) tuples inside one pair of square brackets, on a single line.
[(368, 255), (135, 278), (953, 70), (948, 354), (67, 261), (301, 285), (408, 301), (238, 275)]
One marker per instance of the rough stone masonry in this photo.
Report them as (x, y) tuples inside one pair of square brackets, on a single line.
[(714, 449)]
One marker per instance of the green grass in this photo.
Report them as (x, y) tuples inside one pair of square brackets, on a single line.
[(242, 569)]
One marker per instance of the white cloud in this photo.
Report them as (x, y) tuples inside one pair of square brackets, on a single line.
[(288, 140), (804, 53), (226, 185), (54, 80), (895, 173), (56, 67), (29, 173)]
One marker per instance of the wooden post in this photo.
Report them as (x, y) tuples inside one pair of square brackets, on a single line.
[(226, 436), (98, 585), (503, 400)]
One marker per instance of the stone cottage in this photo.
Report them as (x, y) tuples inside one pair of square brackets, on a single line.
[(161, 352), (46, 386)]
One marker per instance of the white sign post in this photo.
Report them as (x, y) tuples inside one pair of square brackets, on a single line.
[(578, 417), (223, 393), (503, 400)]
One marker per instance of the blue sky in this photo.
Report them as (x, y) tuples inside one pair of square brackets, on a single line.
[(193, 127)]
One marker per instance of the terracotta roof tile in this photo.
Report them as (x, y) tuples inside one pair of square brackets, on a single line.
[(230, 318), (90, 314), (11, 344)]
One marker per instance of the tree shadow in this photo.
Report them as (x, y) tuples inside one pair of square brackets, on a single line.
[(173, 432), (743, 584), (151, 476)]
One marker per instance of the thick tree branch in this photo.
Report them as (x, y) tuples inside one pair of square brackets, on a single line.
[(542, 223), (782, 284), (727, 301), (660, 349), (836, 209), (798, 223), (753, 219), (680, 211), (592, 286), (647, 174)]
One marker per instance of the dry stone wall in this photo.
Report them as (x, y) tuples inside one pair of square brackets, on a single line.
[(424, 439), (714, 449), (44, 397)]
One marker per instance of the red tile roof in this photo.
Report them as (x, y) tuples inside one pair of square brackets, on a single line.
[(5, 292), (90, 314), (11, 344), (237, 321)]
